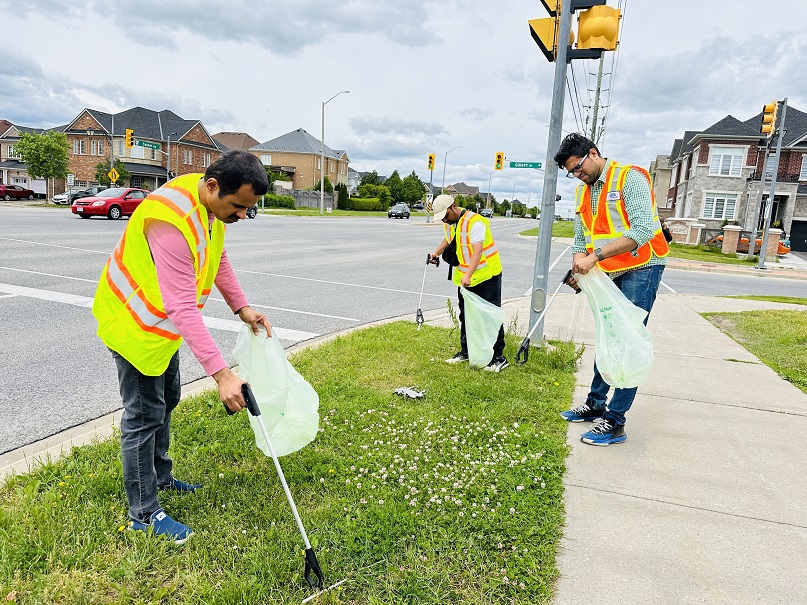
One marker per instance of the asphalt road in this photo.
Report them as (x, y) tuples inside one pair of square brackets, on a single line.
[(310, 275)]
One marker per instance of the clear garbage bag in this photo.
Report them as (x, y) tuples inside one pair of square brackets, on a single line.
[(289, 405), (482, 323), (623, 347)]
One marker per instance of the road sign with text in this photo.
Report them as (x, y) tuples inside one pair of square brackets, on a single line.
[(525, 164), (147, 144)]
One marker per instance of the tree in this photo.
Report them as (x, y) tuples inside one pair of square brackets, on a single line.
[(275, 176), (395, 186), (344, 198), (102, 173), (413, 188), (371, 178), (328, 186), (47, 155)]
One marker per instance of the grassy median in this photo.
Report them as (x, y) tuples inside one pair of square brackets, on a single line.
[(453, 498)]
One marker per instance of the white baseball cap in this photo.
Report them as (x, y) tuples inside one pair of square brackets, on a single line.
[(440, 205)]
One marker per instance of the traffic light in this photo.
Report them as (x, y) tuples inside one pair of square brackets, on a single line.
[(499, 160), (598, 28), (769, 118), (431, 161), (129, 137)]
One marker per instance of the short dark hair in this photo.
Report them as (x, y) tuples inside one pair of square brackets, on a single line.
[(235, 169), (575, 144)]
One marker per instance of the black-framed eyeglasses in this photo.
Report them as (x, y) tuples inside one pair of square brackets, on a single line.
[(577, 168)]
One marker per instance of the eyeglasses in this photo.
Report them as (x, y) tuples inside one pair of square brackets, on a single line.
[(577, 168)]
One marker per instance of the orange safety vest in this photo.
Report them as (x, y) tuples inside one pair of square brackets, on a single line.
[(611, 220), (128, 304), (489, 263)]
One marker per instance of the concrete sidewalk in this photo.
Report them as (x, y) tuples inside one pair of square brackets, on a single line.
[(706, 501)]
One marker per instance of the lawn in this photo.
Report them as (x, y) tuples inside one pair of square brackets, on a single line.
[(709, 254), (776, 337), (453, 498), (559, 229)]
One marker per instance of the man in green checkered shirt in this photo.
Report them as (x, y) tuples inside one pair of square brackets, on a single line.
[(634, 257)]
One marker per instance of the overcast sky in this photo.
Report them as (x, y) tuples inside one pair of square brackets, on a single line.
[(424, 76)]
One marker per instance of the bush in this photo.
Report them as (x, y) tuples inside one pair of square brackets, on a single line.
[(365, 204), (279, 201)]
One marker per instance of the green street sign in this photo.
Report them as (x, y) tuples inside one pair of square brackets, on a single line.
[(525, 164), (147, 144)]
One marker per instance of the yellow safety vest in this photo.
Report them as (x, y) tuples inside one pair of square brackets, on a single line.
[(611, 220), (128, 304), (489, 264)]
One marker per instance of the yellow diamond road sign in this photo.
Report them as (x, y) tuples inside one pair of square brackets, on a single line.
[(113, 175)]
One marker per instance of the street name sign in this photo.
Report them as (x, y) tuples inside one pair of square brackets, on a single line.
[(525, 164), (147, 144)]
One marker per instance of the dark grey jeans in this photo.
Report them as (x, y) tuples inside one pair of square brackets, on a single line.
[(145, 433)]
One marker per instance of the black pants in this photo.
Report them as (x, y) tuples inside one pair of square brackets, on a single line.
[(491, 291)]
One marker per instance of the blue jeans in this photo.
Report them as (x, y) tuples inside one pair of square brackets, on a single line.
[(145, 433), (639, 287)]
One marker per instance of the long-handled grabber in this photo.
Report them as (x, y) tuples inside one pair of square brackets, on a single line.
[(311, 563), (419, 317), (524, 350)]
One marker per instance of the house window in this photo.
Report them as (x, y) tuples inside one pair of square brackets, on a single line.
[(138, 152), (187, 156), (205, 160), (93, 148), (137, 181), (802, 174), (100, 148), (682, 175), (19, 180), (719, 206), (120, 149), (12, 152), (266, 159), (726, 161), (79, 147), (153, 154), (674, 175), (331, 167), (319, 163)]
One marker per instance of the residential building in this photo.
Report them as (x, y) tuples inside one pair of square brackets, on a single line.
[(12, 170), (660, 172), (461, 189), (717, 176), (353, 180), (235, 140), (299, 155)]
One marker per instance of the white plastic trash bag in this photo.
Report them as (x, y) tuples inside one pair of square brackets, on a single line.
[(482, 323), (289, 405), (623, 348)]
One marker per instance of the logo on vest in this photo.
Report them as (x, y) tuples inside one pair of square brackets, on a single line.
[(613, 196)]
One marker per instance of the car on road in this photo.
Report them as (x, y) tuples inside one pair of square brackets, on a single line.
[(8, 192), (398, 211), (70, 196), (112, 203), (487, 212), (418, 206)]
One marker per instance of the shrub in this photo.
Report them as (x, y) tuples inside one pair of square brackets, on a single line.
[(365, 204), (279, 201)]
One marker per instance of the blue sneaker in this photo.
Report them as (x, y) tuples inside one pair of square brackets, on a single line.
[(583, 413), (605, 432), (179, 486), (163, 525)]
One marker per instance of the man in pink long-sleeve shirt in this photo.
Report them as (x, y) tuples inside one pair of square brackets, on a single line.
[(177, 235)]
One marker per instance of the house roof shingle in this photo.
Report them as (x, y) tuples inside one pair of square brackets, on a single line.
[(236, 140), (297, 141)]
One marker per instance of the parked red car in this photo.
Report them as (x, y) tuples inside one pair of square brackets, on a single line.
[(15, 191), (111, 203)]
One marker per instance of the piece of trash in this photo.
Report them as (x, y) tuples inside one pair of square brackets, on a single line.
[(410, 392)]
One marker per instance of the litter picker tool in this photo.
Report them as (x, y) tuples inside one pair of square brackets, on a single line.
[(524, 350), (419, 317), (311, 563)]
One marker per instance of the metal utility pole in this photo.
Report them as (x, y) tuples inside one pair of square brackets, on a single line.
[(597, 101), (544, 245), (766, 220), (322, 154)]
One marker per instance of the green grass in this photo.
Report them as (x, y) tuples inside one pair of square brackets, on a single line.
[(780, 299), (709, 254), (559, 229), (453, 498), (777, 338), (340, 213)]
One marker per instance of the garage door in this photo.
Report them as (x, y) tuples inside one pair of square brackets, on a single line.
[(798, 236)]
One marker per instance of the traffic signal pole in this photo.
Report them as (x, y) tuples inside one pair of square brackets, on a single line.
[(766, 221), (543, 248)]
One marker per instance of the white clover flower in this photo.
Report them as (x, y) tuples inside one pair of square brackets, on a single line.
[(221, 475), (543, 485), (363, 501), (519, 488), (512, 511), (381, 502)]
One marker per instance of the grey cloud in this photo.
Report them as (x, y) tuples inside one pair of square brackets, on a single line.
[(396, 126), (474, 113)]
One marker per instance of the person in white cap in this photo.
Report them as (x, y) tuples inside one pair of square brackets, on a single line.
[(479, 268)]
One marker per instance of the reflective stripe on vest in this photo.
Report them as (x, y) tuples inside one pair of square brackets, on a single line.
[(128, 303), (611, 220), (489, 263)]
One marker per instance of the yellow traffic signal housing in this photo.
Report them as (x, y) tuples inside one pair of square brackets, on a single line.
[(544, 32), (499, 160), (431, 161), (129, 141), (769, 118), (598, 27)]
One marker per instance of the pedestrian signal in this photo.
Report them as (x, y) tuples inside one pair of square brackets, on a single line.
[(129, 141), (431, 161), (499, 160)]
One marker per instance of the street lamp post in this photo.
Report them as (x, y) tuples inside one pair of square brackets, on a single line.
[(488, 204), (445, 159), (322, 158), (168, 161)]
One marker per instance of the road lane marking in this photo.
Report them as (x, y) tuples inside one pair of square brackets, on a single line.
[(25, 241), (337, 283), (552, 266), (228, 325), (292, 310), (668, 287), (92, 281)]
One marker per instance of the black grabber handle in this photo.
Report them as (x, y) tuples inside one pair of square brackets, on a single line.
[(252, 404)]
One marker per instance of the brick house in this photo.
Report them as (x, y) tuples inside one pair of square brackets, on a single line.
[(298, 154), (461, 189), (235, 140), (717, 176), (93, 136), (12, 170)]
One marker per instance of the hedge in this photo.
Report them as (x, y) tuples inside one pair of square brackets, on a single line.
[(279, 201), (366, 204)]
